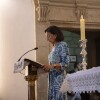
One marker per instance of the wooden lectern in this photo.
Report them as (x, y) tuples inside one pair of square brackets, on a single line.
[(31, 76)]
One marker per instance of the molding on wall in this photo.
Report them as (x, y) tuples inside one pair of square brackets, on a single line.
[(66, 11), (43, 7), (75, 25), (43, 12), (69, 3)]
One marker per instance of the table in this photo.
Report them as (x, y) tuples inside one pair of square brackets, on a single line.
[(82, 81)]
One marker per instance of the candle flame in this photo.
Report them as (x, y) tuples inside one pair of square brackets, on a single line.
[(81, 16)]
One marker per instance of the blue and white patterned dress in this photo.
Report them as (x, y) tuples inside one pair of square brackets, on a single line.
[(59, 54)]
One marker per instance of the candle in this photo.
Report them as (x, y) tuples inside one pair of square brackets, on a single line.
[(82, 28)]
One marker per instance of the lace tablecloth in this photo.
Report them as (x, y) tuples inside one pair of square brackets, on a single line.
[(82, 81)]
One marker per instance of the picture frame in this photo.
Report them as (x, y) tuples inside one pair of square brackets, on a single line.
[(73, 58)]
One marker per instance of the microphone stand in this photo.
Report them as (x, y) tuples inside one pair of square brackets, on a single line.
[(26, 53)]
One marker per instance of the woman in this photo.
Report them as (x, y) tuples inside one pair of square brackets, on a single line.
[(58, 61)]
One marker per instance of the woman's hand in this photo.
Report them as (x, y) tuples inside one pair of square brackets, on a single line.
[(57, 66), (46, 67)]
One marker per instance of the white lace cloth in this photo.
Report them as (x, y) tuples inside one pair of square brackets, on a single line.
[(82, 81)]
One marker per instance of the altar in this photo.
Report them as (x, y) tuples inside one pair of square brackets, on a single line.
[(82, 81)]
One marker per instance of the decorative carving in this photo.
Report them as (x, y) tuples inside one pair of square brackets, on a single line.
[(31, 80), (80, 9), (43, 12)]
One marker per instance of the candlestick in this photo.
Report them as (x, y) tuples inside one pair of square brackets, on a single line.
[(82, 27), (83, 53)]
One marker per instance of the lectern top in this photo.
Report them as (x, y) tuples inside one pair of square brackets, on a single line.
[(20, 65)]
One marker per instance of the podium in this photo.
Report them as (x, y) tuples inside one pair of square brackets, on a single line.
[(31, 76)]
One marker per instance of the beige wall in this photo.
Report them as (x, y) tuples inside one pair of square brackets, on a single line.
[(17, 35)]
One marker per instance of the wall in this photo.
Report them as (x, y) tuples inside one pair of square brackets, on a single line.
[(17, 35)]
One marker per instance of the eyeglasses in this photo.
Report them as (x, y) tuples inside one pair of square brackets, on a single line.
[(50, 36)]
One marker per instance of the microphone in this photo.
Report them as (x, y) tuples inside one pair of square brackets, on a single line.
[(27, 52)]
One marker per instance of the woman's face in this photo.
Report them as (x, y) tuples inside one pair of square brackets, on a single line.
[(51, 37)]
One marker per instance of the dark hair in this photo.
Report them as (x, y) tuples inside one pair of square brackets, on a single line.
[(55, 31)]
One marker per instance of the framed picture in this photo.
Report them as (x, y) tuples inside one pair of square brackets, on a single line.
[(73, 58)]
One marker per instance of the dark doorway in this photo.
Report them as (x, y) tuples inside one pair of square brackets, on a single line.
[(97, 43), (93, 48)]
